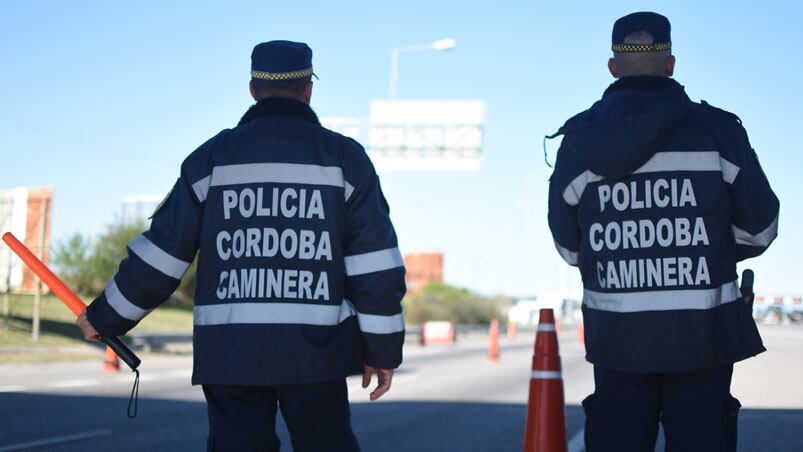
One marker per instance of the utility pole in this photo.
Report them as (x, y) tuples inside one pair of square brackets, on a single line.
[(37, 294), (7, 292)]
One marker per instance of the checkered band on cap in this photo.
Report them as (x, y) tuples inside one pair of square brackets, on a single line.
[(641, 47), (262, 75)]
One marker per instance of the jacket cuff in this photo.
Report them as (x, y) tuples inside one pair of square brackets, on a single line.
[(106, 320), (383, 351)]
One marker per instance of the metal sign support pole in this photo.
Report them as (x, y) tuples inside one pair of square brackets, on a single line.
[(37, 294)]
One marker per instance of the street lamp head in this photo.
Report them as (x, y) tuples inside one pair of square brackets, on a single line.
[(444, 44)]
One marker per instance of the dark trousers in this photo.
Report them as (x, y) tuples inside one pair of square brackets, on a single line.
[(243, 418), (695, 409)]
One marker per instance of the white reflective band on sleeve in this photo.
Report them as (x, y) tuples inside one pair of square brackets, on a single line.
[(158, 258), (763, 238), (569, 256), (681, 161), (283, 173), (662, 300), (349, 189), (121, 305), (378, 324), (381, 324), (729, 170), (375, 261), (574, 191), (545, 327), (201, 188), (690, 161), (546, 374), (271, 313)]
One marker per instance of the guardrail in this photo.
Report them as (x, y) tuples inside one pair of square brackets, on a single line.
[(159, 341), (151, 341)]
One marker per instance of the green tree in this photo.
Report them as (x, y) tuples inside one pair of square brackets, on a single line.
[(110, 249), (443, 302), (72, 257), (87, 265)]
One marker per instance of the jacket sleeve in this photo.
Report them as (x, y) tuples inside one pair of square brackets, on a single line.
[(157, 259), (374, 271), (565, 189), (754, 218)]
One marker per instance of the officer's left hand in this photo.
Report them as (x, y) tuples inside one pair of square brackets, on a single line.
[(90, 333), (384, 378)]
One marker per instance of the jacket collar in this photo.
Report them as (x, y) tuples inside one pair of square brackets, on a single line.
[(280, 106), (641, 83)]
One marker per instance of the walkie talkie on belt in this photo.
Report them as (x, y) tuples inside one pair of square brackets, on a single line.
[(747, 287)]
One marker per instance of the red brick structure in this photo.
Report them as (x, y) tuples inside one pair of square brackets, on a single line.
[(38, 199), (422, 269), (22, 211)]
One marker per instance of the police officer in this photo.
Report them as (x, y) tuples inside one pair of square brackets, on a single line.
[(299, 276), (656, 198)]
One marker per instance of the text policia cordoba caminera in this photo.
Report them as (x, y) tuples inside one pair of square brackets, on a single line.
[(675, 232), (301, 244)]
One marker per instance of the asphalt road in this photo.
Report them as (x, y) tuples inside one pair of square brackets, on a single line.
[(443, 399)]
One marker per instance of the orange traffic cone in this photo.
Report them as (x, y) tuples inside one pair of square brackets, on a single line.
[(545, 430), (111, 363), (511, 330), (493, 341), (581, 333)]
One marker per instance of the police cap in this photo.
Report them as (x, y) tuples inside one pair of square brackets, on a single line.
[(281, 60), (653, 23)]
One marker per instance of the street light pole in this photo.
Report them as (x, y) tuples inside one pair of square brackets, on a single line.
[(442, 44)]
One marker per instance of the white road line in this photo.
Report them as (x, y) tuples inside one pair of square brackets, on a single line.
[(182, 373), (73, 383), (151, 377), (12, 388), (577, 442), (54, 440)]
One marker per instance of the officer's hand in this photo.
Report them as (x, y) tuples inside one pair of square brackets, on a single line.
[(90, 333), (384, 377)]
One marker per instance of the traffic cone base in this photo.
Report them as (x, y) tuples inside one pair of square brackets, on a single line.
[(545, 429), (111, 362)]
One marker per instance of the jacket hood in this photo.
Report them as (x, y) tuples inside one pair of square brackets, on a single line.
[(280, 106), (624, 129)]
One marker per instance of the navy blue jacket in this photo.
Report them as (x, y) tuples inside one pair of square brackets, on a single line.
[(656, 198), (299, 276)]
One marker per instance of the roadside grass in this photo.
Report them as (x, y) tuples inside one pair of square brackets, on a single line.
[(59, 338)]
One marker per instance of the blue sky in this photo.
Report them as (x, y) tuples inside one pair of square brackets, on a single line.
[(102, 100)]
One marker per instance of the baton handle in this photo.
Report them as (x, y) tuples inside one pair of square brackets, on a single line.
[(122, 351), (67, 296)]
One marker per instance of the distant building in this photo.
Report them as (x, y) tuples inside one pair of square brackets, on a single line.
[(139, 208), (25, 212), (566, 306), (422, 269)]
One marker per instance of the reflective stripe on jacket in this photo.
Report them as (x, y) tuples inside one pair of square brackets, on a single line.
[(299, 275), (656, 198)]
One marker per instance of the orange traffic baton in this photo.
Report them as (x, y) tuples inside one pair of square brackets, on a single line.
[(66, 295), (545, 429)]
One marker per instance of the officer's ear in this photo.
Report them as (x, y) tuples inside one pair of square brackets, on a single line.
[(670, 66), (612, 67), (308, 92), (252, 89)]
